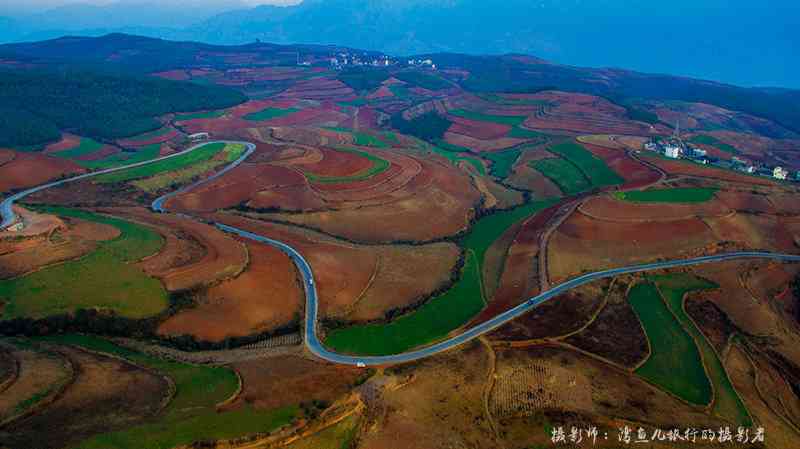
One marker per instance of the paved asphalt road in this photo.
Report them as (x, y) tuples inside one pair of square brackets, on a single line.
[(310, 327)]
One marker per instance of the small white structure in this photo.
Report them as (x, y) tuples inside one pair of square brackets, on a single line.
[(672, 151), (699, 152), (780, 173), (198, 137), (750, 169), (16, 227)]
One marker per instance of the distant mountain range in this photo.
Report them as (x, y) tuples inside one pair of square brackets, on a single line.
[(736, 41)]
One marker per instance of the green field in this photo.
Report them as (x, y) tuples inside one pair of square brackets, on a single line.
[(503, 162), (444, 313), (86, 146), (199, 155), (151, 135), (675, 195), (176, 178), (511, 120), (363, 139), (105, 278), (564, 174), (727, 403), (144, 153), (522, 133), (595, 170), (456, 157), (714, 142), (674, 363), (423, 80), (378, 166), (269, 114), (191, 415), (199, 115), (498, 99)]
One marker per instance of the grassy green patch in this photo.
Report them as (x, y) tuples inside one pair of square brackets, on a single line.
[(199, 115), (595, 170), (455, 158), (172, 179), (358, 102), (674, 363), (522, 133), (727, 403), (105, 278), (363, 139), (503, 162), (511, 120), (507, 101), (564, 174), (676, 195), (714, 142), (191, 415), (198, 155), (269, 114), (423, 80), (444, 313), (86, 146), (378, 166), (144, 153)]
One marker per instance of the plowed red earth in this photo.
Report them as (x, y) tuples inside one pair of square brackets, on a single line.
[(264, 297), (67, 141), (6, 156), (175, 75), (31, 169), (319, 89), (337, 163), (583, 113), (102, 153), (610, 209), (134, 142), (479, 145), (478, 129), (748, 202), (635, 174)]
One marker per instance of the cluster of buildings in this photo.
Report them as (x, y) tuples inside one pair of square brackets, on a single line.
[(675, 148), (345, 59), (421, 63)]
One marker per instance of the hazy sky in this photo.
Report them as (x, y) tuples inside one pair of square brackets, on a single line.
[(33, 6)]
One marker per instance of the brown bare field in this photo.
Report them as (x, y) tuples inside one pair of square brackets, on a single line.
[(318, 89), (757, 231), (31, 169), (381, 92), (78, 238), (747, 202), (134, 142), (506, 198), (285, 381), (479, 145), (40, 373), (439, 404), (557, 317), (608, 208), (67, 141), (682, 168), (6, 156), (264, 297), (785, 203), (444, 202), (404, 275), (477, 129), (616, 333), (102, 153), (337, 163), (106, 395), (582, 113), (617, 397), (289, 198), (181, 265), (614, 141), (175, 75), (35, 223), (528, 178), (585, 244)]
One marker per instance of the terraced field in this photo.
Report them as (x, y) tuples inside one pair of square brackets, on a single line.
[(174, 178), (378, 166), (269, 114), (595, 170), (104, 278), (569, 179)]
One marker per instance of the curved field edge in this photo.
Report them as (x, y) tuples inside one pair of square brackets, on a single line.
[(378, 166), (444, 313), (105, 278), (191, 414), (727, 402), (172, 179), (672, 195)]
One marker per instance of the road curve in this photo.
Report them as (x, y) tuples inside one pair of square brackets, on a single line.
[(311, 338)]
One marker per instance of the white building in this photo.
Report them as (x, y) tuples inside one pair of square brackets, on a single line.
[(198, 136), (672, 151), (780, 173), (699, 152), (16, 227)]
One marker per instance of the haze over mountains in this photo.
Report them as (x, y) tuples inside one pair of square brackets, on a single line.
[(740, 41)]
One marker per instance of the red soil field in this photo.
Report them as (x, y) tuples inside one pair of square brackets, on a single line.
[(337, 163), (31, 169), (381, 92), (318, 89), (747, 202), (264, 297), (582, 243), (289, 198), (102, 153), (609, 209), (583, 113), (677, 168), (785, 203), (67, 141), (134, 142), (6, 156), (222, 257), (478, 145), (175, 75), (477, 129)]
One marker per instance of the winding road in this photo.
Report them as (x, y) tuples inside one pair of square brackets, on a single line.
[(311, 338)]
